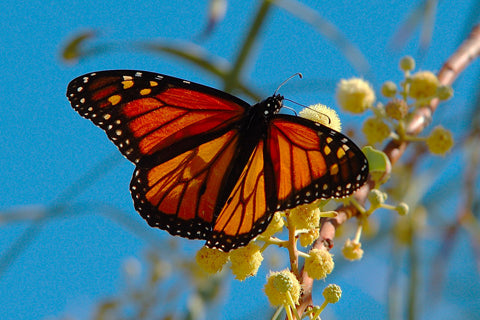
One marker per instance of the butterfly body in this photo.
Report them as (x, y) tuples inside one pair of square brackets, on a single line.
[(209, 165)]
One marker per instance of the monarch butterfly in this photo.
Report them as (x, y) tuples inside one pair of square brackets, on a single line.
[(209, 165)]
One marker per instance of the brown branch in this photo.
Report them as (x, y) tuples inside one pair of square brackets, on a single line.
[(292, 246), (468, 51)]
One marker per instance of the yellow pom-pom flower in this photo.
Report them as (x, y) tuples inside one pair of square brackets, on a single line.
[(305, 216), (276, 225), (355, 95), (352, 250), (332, 293), (322, 114), (423, 84), (211, 260), (439, 141), (319, 263), (246, 261), (307, 238), (375, 130), (277, 286)]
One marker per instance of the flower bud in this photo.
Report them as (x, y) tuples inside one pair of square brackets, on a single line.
[(277, 286), (389, 89), (332, 293), (396, 109), (439, 141), (407, 63), (402, 208), (444, 92), (376, 197), (276, 225)]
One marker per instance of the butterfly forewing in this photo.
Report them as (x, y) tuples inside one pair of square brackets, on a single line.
[(145, 113)]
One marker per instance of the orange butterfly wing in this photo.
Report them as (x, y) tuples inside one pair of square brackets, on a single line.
[(312, 161), (181, 195), (145, 113), (209, 165), (182, 136), (247, 211), (298, 162)]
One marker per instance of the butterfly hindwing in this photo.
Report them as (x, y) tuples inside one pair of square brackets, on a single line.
[(298, 162), (180, 195), (312, 161), (248, 209)]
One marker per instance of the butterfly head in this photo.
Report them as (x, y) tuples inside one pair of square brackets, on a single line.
[(272, 105)]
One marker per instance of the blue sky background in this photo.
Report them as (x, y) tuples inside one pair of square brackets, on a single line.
[(76, 259)]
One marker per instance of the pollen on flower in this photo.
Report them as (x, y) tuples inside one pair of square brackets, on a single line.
[(375, 130), (306, 216), (307, 238), (355, 95), (332, 293), (277, 286), (423, 84), (440, 141), (211, 260), (322, 114), (319, 263), (246, 261), (352, 250)]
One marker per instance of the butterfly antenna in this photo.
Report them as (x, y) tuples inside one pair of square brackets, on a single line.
[(291, 109), (292, 76), (306, 107), (301, 105), (322, 113)]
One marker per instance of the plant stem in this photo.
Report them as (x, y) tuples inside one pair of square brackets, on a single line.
[(231, 80), (292, 247)]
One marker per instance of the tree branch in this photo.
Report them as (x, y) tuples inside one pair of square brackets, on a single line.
[(468, 51)]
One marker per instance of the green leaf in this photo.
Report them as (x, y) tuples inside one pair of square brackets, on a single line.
[(378, 163)]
